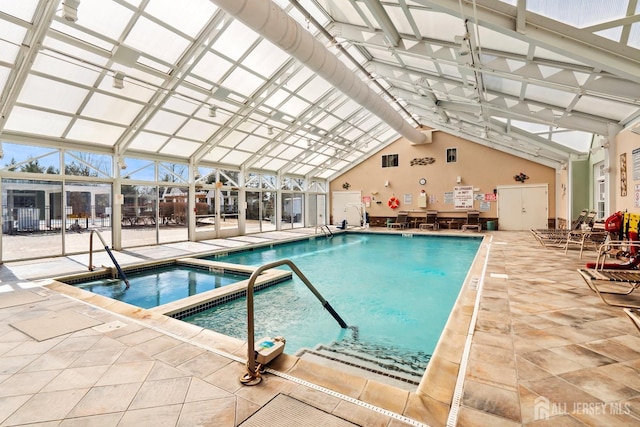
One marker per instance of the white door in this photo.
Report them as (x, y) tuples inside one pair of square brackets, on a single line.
[(523, 207), (342, 207), (320, 209)]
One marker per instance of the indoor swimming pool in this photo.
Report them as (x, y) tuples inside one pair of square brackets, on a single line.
[(396, 291)]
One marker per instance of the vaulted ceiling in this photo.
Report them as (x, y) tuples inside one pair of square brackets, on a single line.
[(312, 87)]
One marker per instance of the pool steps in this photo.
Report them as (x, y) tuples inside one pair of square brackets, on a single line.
[(370, 360)]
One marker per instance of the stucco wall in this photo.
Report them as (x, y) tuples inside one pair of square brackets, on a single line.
[(479, 166)]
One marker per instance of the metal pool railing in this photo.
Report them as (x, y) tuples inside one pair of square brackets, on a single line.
[(252, 376), (106, 248)]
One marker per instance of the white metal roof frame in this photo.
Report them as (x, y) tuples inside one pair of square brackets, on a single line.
[(192, 82)]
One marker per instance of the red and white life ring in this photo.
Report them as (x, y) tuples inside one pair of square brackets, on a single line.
[(393, 203)]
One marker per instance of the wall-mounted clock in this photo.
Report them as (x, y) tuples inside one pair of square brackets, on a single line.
[(422, 181)]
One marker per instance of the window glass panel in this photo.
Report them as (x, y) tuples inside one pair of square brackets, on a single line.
[(229, 178), (139, 169), (173, 172), (175, 14), (31, 219), (205, 175), (253, 181), (139, 215), (32, 159), (235, 40), (268, 182), (87, 164)]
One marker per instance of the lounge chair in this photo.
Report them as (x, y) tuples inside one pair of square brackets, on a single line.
[(614, 287), (431, 221), (402, 221), (473, 221), (558, 237), (585, 239)]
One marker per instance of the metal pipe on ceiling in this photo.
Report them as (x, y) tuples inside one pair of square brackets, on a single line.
[(274, 24)]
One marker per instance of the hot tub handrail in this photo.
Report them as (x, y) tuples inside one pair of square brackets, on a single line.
[(106, 247), (253, 374)]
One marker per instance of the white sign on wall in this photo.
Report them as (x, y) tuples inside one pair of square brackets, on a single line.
[(463, 197)]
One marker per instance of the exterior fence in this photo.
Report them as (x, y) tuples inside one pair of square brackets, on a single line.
[(47, 219)]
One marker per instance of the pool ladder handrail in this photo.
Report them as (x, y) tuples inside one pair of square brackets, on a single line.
[(106, 247), (326, 233), (252, 375)]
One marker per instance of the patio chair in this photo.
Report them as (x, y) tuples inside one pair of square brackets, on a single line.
[(473, 221), (431, 221), (402, 221), (614, 287)]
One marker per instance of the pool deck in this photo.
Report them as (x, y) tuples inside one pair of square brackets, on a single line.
[(542, 350)]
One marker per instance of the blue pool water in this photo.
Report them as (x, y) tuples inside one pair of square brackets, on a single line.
[(159, 286), (397, 290)]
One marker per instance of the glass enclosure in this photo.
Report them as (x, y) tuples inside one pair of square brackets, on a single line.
[(53, 216)]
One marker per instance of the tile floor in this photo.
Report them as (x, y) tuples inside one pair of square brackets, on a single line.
[(544, 351)]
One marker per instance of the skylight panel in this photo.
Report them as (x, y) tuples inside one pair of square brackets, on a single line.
[(399, 19), (98, 133), (73, 72), (181, 105), (502, 85), (212, 67), (236, 157), (634, 34), (342, 11), (534, 128), (579, 13), (580, 141), (243, 82), (421, 64), (276, 164), (11, 37), (165, 122), (235, 40), (73, 51), (23, 9), (438, 26), (294, 106), (4, 75), (548, 95), (490, 39), (107, 18), (164, 44), (189, 20), (232, 139), (197, 129), (216, 154), (265, 58), (111, 109), (37, 122), (51, 94), (605, 108), (76, 33), (147, 141), (313, 90), (299, 78), (252, 143), (290, 152), (179, 147)]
